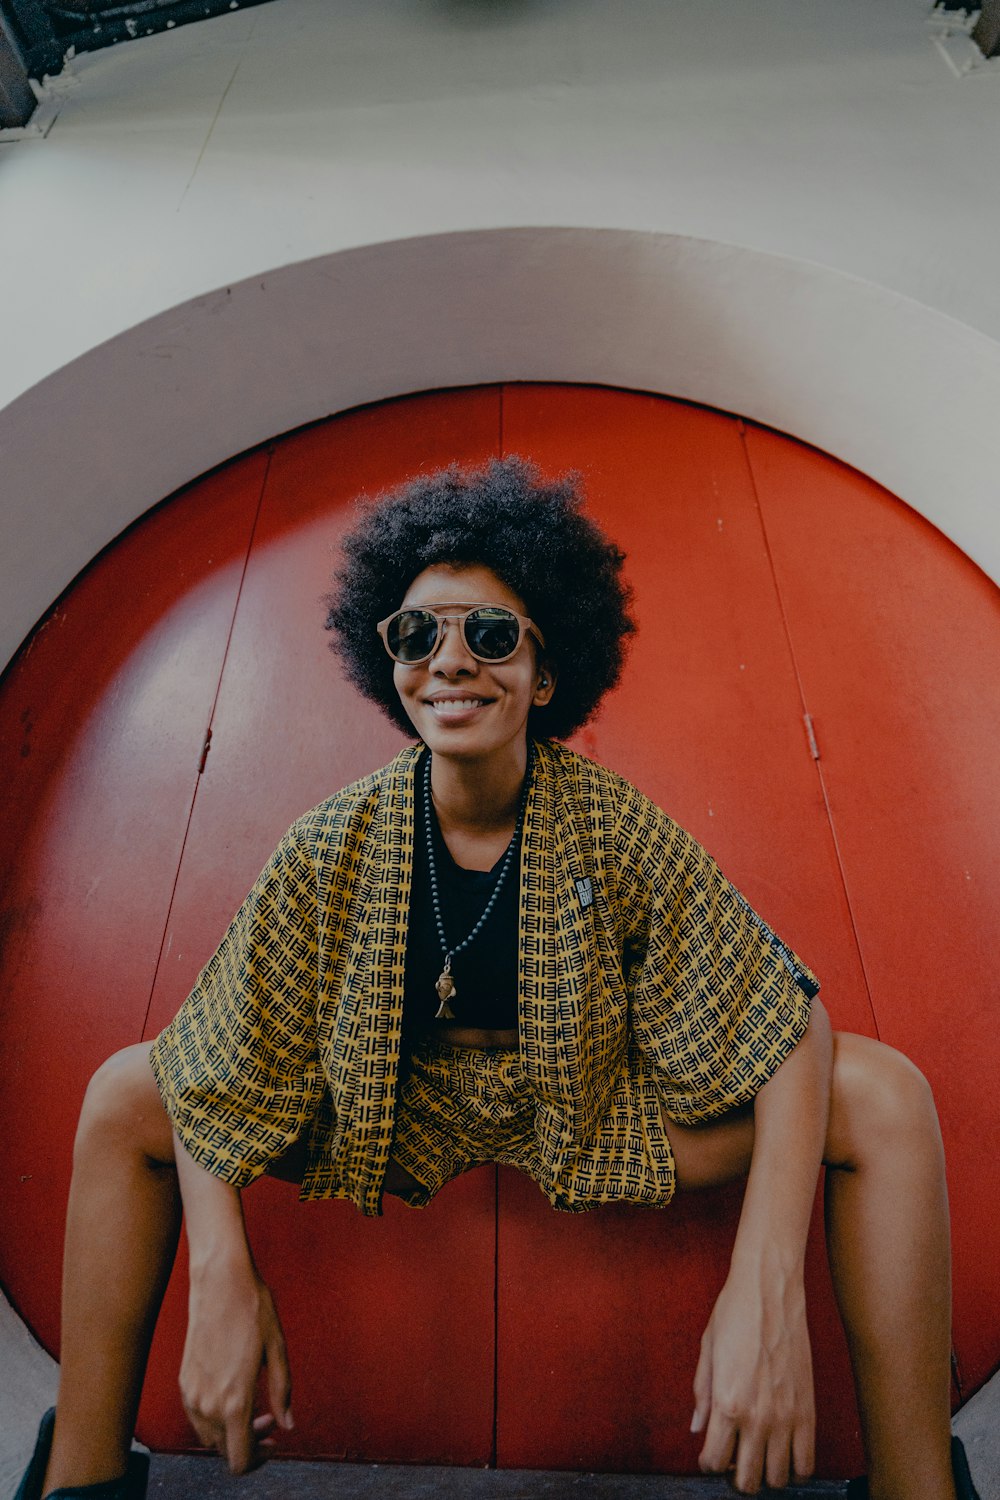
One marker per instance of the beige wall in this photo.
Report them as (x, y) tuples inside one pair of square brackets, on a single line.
[(780, 208)]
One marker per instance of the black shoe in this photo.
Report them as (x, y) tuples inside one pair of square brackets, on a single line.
[(30, 1487), (964, 1487), (857, 1489), (131, 1485)]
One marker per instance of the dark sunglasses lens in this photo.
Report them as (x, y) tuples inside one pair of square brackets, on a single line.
[(412, 635), (491, 634)]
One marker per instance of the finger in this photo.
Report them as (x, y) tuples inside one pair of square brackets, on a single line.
[(239, 1450), (279, 1378), (804, 1449), (263, 1424), (720, 1444), (749, 1472), (778, 1463), (702, 1389)]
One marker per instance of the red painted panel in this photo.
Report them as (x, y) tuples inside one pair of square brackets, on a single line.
[(897, 640), (391, 1322), (388, 1322), (102, 720), (411, 1377), (393, 1341), (708, 720), (600, 1318)]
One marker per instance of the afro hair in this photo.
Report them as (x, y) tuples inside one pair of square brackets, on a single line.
[(532, 534)]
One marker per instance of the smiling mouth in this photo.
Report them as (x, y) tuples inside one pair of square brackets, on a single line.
[(449, 707)]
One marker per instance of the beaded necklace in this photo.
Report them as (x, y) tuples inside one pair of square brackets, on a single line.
[(445, 984)]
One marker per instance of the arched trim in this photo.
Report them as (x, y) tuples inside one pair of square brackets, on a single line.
[(903, 393)]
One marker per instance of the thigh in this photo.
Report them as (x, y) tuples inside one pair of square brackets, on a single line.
[(875, 1092), (708, 1155)]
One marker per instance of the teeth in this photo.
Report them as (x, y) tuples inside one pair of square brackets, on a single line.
[(455, 705)]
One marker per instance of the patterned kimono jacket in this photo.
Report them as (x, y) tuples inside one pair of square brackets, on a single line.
[(644, 979)]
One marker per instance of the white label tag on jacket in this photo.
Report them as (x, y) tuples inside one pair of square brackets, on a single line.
[(585, 891)]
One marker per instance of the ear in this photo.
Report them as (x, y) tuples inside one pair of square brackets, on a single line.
[(545, 684)]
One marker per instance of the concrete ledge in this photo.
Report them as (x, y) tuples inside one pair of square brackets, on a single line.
[(30, 1380), (205, 1479), (978, 1425)]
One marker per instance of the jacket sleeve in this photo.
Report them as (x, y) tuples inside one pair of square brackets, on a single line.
[(718, 1000), (238, 1067)]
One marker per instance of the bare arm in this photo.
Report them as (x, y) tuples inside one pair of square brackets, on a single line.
[(233, 1328), (753, 1387)]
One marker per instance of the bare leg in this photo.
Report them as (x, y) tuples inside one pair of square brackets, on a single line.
[(121, 1234), (888, 1236), (122, 1228)]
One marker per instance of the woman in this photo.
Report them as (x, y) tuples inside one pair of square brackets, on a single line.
[(496, 950)]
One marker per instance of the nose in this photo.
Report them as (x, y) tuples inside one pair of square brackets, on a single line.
[(451, 655)]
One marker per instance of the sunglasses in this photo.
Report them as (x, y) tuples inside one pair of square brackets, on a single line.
[(491, 633)]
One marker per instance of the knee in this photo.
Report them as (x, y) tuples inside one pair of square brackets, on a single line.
[(122, 1106), (879, 1098)]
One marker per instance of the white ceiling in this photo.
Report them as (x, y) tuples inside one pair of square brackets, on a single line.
[(829, 142)]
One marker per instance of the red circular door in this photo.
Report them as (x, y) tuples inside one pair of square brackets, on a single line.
[(812, 692)]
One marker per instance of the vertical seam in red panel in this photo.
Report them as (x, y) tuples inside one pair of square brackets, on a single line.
[(741, 427), (211, 720), (496, 1313), (496, 1171)]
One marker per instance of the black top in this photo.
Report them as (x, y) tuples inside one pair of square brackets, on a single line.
[(485, 973)]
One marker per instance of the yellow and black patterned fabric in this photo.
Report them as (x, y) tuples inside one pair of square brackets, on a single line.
[(459, 1107), (644, 978)]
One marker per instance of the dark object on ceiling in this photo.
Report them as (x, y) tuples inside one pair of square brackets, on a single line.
[(17, 102), (986, 32), (43, 31)]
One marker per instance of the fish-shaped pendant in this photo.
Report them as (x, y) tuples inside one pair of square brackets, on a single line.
[(445, 987)]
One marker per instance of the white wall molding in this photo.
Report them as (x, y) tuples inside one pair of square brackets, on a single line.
[(904, 393)]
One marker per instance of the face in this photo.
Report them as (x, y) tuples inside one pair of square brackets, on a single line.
[(460, 706)]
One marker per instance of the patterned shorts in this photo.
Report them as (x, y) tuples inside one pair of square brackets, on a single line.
[(460, 1107)]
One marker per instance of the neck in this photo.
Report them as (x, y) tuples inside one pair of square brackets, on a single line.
[(479, 797)]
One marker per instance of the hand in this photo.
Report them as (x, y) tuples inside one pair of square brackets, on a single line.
[(233, 1330), (753, 1387)]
